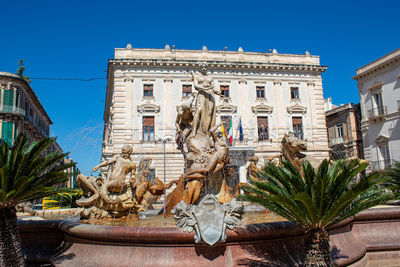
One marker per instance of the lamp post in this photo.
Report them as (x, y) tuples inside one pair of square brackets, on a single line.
[(164, 141)]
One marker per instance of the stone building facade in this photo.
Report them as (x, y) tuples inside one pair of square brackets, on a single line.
[(21, 111), (344, 131), (379, 89), (270, 93)]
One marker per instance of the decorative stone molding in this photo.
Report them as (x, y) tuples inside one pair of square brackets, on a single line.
[(242, 81), (261, 108), (310, 83), (382, 139), (168, 80), (295, 100), (376, 86), (148, 108), (226, 107), (148, 98), (277, 82), (261, 99), (128, 78), (296, 108)]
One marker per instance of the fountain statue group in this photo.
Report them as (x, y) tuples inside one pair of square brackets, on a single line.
[(205, 154), (202, 199)]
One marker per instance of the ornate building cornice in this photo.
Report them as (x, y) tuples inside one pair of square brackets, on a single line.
[(214, 64)]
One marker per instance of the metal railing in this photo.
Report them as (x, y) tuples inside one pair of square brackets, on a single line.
[(298, 134), (336, 141), (381, 164), (377, 112), (12, 110), (263, 134)]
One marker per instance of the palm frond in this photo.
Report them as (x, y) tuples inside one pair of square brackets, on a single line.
[(26, 173), (318, 197)]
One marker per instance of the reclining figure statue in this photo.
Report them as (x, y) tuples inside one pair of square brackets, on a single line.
[(118, 196)]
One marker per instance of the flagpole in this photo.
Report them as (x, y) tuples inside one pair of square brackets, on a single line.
[(237, 130)]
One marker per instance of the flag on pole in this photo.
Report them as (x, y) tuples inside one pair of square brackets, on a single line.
[(241, 137), (230, 132)]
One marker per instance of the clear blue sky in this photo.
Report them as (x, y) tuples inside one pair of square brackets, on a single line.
[(74, 39)]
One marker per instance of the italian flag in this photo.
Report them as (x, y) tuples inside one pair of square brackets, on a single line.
[(230, 133), (223, 131)]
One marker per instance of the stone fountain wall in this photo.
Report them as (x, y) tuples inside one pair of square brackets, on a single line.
[(371, 238)]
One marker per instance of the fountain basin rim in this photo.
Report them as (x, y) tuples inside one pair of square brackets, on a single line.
[(171, 235)]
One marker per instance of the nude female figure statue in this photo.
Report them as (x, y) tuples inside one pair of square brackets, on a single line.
[(205, 112)]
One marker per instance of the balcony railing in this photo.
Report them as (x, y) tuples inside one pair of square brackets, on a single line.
[(263, 134), (298, 134), (336, 141), (381, 164), (377, 112), (12, 110)]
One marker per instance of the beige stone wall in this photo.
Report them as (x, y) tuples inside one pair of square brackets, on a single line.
[(132, 68)]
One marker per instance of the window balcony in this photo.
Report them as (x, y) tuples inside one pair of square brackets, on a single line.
[(377, 112), (298, 134), (336, 141), (381, 164), (12, 110), (263, 134)]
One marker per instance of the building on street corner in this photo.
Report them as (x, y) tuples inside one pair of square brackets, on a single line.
[(379, 89)]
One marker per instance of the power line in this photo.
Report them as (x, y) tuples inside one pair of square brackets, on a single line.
[(68, 79)]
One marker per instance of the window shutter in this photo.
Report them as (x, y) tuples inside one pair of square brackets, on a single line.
[(262, 121), (186, 88), (148, 121), (297, 120)]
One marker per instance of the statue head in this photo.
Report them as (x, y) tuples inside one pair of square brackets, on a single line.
[(203, 68), (187, 104), (126, 150)]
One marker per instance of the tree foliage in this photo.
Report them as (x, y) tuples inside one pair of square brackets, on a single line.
[(318, 198), (27, 174), (20, 71)]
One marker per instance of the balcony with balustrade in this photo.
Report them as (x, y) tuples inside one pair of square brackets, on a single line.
[(8, 109), (382, 164), (377, 113)]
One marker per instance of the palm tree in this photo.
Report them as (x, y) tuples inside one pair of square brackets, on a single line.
[(65, 199), (393, 181), (317, 198), (25, 174)]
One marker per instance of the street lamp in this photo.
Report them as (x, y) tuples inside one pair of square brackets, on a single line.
[(164, 141)]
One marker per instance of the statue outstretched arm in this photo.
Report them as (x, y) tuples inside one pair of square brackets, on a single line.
[(105, 163)]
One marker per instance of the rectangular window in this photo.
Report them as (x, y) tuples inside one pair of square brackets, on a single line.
[(7, 129), (148, 128), (225, 90), (147, 90), (262, 126), (340, 132), (297, 127), (379, 109), (384, 149), (8, 100), (260, 90), (17, 99), (294, 92), (186, 90)]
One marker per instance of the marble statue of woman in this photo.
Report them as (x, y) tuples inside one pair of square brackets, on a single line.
[(205, 112)]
